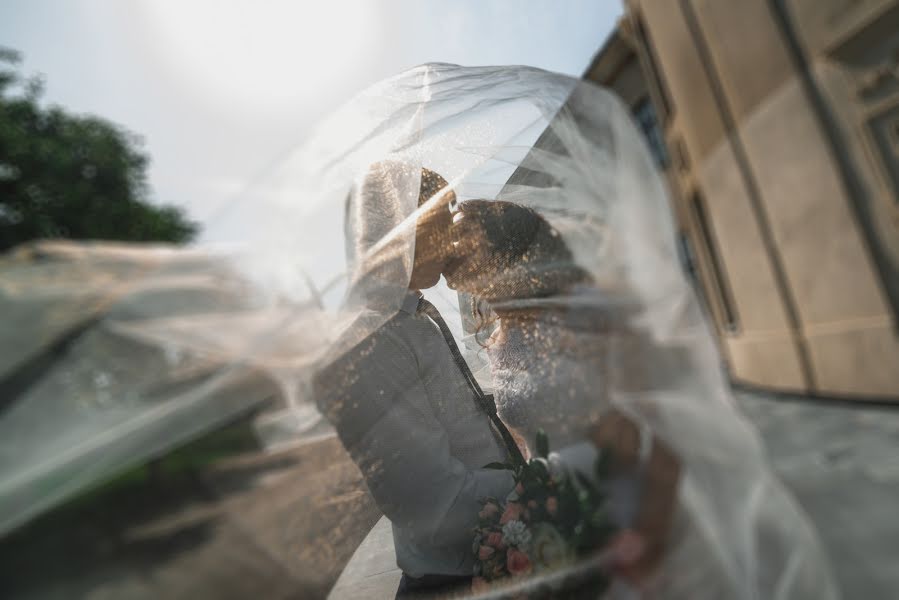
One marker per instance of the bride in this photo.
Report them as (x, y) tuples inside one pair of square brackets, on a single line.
[(579, 360), (562, 229)]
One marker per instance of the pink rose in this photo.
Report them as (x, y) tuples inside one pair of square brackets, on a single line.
[(552, 505), (517, 562), (495, 540), (513, 512), (485, 552), (490, 510), (479, 585)]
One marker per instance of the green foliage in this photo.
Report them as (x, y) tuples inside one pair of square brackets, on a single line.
[(72, 176), (557, 518), (542, 444), (582, 516)]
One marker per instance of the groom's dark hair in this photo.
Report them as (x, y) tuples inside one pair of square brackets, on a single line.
[(431, 184)]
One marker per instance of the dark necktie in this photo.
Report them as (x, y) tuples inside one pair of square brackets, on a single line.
[(484, 401)]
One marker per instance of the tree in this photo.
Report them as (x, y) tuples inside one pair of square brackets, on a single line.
[(72, 176)]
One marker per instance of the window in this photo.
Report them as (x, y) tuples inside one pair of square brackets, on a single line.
[(645, 114), (885, 131), (653, 67), (721, 288), (687, 258)]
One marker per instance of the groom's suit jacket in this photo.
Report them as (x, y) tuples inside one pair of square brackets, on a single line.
[(405, 413)]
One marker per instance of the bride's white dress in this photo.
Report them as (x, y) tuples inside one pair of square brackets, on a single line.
[(561, 370)]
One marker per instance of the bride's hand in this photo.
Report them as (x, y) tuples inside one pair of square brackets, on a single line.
[(638, 551)]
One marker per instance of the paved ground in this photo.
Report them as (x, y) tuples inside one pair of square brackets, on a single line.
[(283, 525), (842, 464), (256, 526)]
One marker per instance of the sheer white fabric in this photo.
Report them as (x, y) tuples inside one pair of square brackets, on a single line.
[(119, 354)]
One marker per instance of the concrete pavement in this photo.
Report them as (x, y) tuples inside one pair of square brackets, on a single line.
[(283, 525)]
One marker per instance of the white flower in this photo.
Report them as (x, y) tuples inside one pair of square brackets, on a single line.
[(515, 533), (556, 466), (548, 547)]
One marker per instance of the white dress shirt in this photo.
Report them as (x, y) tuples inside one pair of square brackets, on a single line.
[(405, 413)]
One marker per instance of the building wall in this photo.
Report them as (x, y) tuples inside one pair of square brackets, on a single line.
[(850, 49), (781, 182)]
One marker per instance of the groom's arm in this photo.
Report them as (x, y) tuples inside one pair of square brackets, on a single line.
[(385, 421)]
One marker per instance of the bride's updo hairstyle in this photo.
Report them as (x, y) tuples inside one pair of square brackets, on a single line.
[(508, 253)]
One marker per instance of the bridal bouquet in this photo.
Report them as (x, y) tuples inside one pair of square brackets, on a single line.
[(550, 519)]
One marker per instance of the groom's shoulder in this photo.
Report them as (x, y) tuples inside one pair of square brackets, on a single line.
[(371, 351), (379, 338)]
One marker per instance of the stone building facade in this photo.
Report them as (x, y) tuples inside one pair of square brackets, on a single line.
[(777, 125)]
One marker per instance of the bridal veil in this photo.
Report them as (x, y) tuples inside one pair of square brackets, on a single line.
[(113, 354)]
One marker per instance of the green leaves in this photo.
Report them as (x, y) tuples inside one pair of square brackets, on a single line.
[(542, 444), (603, 465), (72, 176), (573, 506), (538, 470), (581, 516)]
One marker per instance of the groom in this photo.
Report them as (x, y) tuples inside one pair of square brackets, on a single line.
[(406, 413)]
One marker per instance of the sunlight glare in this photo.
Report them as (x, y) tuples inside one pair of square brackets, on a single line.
[(262, 55)]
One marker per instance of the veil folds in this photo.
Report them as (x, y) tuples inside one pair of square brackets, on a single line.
[(121, 352)]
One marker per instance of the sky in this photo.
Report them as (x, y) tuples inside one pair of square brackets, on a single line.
[(219, 89)]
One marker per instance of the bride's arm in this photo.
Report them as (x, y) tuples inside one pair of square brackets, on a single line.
[(661, 473), (385, 421), (644, 481)]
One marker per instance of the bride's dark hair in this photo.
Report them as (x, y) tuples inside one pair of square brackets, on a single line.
[(524, 257)]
